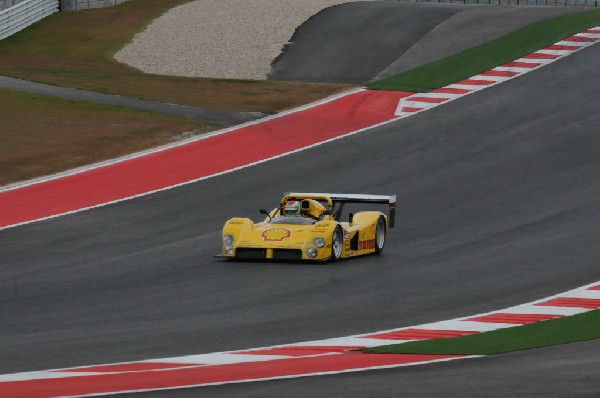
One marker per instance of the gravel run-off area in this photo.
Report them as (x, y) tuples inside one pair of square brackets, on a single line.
[(233, 39)]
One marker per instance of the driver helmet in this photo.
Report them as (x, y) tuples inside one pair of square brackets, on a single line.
[(292, 208)]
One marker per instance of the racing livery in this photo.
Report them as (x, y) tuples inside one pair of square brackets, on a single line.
[(307, 226)]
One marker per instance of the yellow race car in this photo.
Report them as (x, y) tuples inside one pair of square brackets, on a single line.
[(307, 226)]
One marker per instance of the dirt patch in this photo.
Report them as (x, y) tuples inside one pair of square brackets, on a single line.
[(43, 135)]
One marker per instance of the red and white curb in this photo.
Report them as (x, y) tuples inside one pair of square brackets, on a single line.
[(319, 357), (424, 101)]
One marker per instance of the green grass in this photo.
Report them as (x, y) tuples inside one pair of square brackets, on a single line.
[(565, 330), (487, 56)]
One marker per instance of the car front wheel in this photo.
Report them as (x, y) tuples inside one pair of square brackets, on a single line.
[(337, 244)]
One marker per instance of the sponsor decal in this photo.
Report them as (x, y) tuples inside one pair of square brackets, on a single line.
[(319, 231), (276, 234), (321, 224), (346, 236), (235, 222), (366, 244)]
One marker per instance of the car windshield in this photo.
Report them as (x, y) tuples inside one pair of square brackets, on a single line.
[(292, 220)]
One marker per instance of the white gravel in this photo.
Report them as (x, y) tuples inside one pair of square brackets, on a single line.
[(236, 39)]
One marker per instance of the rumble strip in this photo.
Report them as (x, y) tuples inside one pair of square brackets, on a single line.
[(421, 102), (309, 358)]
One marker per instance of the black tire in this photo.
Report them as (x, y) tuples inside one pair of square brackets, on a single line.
[(337, 244), (380, 235)]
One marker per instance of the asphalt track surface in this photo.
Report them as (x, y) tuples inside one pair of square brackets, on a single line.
[(331, 47), (497, 206)]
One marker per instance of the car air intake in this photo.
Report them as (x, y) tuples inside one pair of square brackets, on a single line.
[(251, 253), (287, 254)]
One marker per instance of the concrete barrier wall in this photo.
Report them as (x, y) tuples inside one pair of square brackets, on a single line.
[(4, 4), (76, 5), (23, 14)]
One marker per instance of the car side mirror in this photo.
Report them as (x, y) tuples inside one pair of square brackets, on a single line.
[(351, 218), (266, 213)]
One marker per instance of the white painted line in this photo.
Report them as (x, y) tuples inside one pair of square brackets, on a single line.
[(495, 79), (469, 87), (545, 310), (458, 324), (511, 69), (437, 95), (572, 44), (535, 63), (591, 294), (418, 104), (220, 358), (43, 375), (555, 52), (351, 341), (590, 35)]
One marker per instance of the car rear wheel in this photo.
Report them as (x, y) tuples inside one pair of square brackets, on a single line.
[(380, 235), (337, 244)]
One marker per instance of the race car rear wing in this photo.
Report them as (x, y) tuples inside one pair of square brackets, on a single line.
[(358, 198)]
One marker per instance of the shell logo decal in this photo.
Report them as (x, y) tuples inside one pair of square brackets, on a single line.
[(276, 234)]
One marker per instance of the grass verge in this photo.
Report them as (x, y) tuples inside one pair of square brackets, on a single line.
[(75, 49), (585, 326), (487, 56), (43, 135)]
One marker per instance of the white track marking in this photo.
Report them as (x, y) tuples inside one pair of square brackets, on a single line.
[(220, 358), (442, 95), (352, 341), (553, 52), (511, 69), (43, 375), (493, 79), (572, 44), (461, 86), (590, 35), (459, 324), (591, 294), (545, 310)]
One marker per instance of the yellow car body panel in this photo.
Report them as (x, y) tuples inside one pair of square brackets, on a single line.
[(274, 239)]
